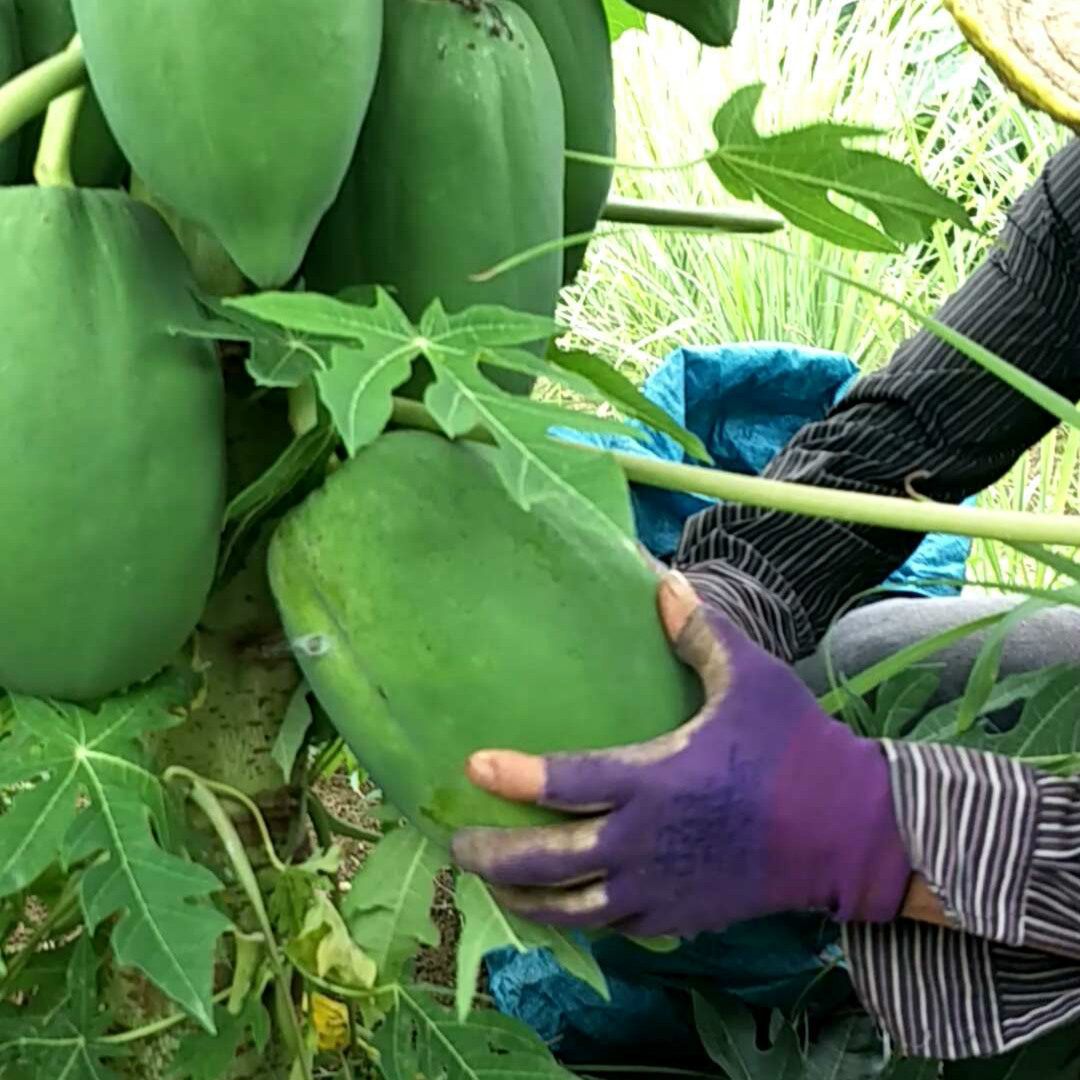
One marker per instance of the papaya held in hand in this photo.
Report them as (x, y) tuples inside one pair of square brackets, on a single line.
[(429, 610), (761, 804)]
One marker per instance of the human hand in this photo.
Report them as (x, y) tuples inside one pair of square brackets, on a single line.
[(760, 804)]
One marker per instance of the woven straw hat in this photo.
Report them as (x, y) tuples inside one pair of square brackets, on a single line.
[(1033, 45)]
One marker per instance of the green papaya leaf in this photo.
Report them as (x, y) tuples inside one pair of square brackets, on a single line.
[(1048, 723), (372, 355), (795, 172), (659, 945), (486, 926), (622, 17), (299, 469), (165, 925), (67, 1041), (1053, 1057), (940, 724), (324, 947), (374, 347), (1045, 735), (201, 1056), (729, 1035), (912, 1069), (847, 1048), (421, 1038), (984, 672), (902, 700), (279, 357), (616, 388), (533, 466), (294, 728), (712, 22), (290, 900), (388, 906)]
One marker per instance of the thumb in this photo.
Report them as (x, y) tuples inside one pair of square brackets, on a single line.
[(688, 628)]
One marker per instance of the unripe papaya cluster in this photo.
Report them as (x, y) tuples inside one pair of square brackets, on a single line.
[(323, 144)]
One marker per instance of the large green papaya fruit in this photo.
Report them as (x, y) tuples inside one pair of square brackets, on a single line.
[(112, 431), (577, 36), (433, 617), (10, 64), (460, 165), (242, 116), (45, 28), (712, 22)]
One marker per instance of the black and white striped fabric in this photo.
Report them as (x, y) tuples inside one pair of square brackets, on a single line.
[(999, 843)]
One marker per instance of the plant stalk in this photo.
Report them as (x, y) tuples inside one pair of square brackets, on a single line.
[(222, 824), (639, 212), (884, 511), (29, 93), (52, 167)]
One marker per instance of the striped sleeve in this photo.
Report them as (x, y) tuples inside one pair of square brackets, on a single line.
[(999, 845), (931, 418)]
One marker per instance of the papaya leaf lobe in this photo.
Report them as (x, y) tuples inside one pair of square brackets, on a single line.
[(388, 907), (422, 1038), (795, 172), (66, 1040), (166, 926), (486, 926)]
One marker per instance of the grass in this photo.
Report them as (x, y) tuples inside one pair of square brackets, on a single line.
[(898, 65)]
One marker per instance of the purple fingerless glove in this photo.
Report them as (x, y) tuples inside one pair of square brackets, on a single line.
[(759, 805)]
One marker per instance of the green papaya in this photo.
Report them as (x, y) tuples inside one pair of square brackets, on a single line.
[(577, 36), (712, 22), (460, 165), (113, 431), (433, 617), (10, 64), (45, 28), (241, 116)]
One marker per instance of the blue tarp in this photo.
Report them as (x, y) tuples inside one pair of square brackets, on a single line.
[(744, 402)]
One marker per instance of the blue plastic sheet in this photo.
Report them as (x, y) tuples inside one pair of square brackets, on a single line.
[(744, 402)]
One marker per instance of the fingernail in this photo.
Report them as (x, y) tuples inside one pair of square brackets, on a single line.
[(482, 769), (678, 586)]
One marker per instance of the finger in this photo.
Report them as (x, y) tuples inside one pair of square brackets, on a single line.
[(694, 635), (589, 782), (553, 855), (588, 906), (508, 774), (678, 601)]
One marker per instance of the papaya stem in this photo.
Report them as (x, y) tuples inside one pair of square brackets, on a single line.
[(148, 1031), (583, 157), (29, 93), (52, 166), (209, 804), (303, 408), (326, 823), (884, 511), (244, 968), (177, 772), (640, 212), (710, 225)]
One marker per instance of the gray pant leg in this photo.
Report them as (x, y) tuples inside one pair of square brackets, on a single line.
[(869, 634)]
